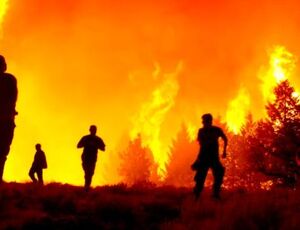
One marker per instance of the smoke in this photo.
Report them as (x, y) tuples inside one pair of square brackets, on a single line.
[(83, 62)]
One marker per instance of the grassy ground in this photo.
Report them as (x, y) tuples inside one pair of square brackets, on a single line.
[(56, 206)]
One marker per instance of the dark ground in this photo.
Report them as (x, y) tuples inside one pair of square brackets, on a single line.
[(56, 206)]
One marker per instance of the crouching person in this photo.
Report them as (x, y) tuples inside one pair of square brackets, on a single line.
[(39, 163)]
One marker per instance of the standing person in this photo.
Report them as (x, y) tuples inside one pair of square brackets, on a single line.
[(208, 157), (8, 98), (39, 163), (90, 144)]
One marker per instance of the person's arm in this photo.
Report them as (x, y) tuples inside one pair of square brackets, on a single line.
[(45, 165), (195, 165), (101, 145), (80, 143), (198, 136), (13, 95), (225, 140)]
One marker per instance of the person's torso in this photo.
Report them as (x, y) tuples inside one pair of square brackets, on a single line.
[(40, 159), (208, 138), (8, 94), (91, 144)]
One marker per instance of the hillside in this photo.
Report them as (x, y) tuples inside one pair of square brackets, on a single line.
[(57, 206)]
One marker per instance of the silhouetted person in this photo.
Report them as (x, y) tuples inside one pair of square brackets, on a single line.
[(208, 156), (8, 98), (90, 144), (39, 163)]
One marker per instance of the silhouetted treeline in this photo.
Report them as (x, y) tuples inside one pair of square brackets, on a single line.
[(272, 144), (264, 150)]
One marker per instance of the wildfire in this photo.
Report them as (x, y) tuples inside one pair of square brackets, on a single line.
[(149, 120), (281, 65), (72, 60), (3, 9), (237, 111)]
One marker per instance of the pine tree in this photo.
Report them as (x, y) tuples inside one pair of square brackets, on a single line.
[(286, 106), (275, 143), (284, 114), (137, 164), (183, 154)]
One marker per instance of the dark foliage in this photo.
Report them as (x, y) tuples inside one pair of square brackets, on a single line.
[(137, 163), (182, 154), (56, 206), (272, 144)]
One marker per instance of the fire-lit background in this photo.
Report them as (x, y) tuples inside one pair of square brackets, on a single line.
[(133, 67)]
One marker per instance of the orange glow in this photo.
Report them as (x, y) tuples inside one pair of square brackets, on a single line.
[(237, 111), (267, 185), (137, 67), (3, 9), (295, 94), (192, 131)]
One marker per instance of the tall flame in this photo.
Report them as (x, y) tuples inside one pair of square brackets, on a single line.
[(3, 9), (237, 111), (152, 114), (281, 65)]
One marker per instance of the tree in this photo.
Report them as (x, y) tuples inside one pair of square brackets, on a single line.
[(137, 164), (249, 150), (183, 154), (286, 106), (284, 115), (275, 142)]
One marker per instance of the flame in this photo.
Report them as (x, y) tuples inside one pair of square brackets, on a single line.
[(149, 120), (296, 95), (3, 9), (281, 65), (192, 131), (267, 185), (237, 111)]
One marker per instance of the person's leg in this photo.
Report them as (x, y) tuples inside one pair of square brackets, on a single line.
[(85, 169), (40, 176), (89, 168), (6, 136), (200, 179), (218, 173), (2, 163), (90, 174), (31, 174)]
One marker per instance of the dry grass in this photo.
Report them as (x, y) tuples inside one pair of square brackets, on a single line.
[(56, 206)]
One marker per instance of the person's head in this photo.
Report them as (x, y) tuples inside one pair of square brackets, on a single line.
[(2, 64), (207, 120), (93, 129), (38, 147)]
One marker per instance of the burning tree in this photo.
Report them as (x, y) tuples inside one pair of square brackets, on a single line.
[(245, 160), (277, 139), (137, 164), (183, 154), (284, 115)]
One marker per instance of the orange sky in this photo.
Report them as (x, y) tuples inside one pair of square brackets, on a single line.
[(82, 62)]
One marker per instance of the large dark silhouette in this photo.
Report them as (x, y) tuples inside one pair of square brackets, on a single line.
[(208, 157), (8, 98), (90, 144), (39, 163)]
